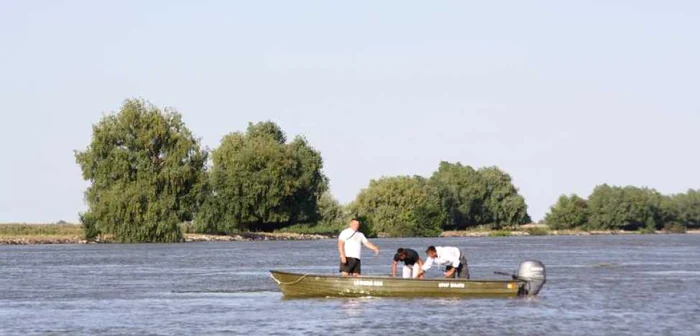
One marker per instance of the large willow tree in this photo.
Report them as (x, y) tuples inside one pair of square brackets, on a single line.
[(568, 213), (259, 181), (475, 197), (146, 171), (401, 206)]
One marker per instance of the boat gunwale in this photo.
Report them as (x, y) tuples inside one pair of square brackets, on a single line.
[(328, 276)]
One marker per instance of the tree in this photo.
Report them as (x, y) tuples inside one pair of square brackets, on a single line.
[(687, 206), (401, 206), (626, 208), (568, 213), (475, 197), (147, 174), (260, 182), (502, 205), (462, 194), (330, 213)]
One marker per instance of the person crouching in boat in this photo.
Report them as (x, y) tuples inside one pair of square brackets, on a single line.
[(412, 263), (454, 260), (350, 243)]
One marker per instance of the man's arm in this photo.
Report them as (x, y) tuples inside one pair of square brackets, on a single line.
[(426, 266), (420, 266), (341, 251), (393, 269), (371, 246)]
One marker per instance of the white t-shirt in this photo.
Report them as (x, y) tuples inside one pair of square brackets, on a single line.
[(353, 242), (448, 256)]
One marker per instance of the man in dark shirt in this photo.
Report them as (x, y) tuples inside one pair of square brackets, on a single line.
[(411, 261)]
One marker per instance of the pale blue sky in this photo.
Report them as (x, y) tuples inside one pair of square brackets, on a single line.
[(563, 95)]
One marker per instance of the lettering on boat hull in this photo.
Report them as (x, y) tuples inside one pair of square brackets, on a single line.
[(368, 283), (450, 285)]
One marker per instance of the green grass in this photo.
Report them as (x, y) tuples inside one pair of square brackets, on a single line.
[(537, 231), (675, 228), (646, 230), (500, 233), (40, 230), (311, 229)]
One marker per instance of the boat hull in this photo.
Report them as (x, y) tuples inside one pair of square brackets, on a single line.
[(294, 285)]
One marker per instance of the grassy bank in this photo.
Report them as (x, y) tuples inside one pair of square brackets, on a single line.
[(40, 230), (28, 234), (544, 230), (24, 234)]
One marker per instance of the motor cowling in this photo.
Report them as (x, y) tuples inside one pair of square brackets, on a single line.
[(534, 275)]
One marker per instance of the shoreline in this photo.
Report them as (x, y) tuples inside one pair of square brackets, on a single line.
[(274, 236), (187, 238)]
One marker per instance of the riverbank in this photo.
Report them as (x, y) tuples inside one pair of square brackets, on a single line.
[(65, 233), (31, 234)]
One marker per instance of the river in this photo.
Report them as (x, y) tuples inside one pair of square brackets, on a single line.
[(597, 285)]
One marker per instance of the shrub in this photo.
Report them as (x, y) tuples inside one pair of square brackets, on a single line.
[(537, 231), (500, 233), (675, 227)]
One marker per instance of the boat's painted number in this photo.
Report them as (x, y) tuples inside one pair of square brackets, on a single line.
[(369, 283), (450, 285)]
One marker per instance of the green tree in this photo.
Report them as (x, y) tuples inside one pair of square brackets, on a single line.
[(401, 206), (626, 208), (475, 197), (330, 213), (147, 174), (687, 206), (503, 204), (569, 212), (260, 182), (462, 194)]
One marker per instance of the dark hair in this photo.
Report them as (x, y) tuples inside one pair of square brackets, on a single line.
[(400, 250), (430, 249)]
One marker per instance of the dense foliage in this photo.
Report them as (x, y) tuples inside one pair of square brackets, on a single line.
[(569, 212), (688, 208), (149, 181), (625, 208), (146, 171), (258, 181), (476, 197), (402, 206)]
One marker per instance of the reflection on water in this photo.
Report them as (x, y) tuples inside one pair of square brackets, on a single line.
[(353, 307), (598, 285)]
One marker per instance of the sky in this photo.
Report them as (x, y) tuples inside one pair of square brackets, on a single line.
[(562, 95)]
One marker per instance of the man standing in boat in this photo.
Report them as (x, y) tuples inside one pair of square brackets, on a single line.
[(412, 263), (350, 243), (454, 260)]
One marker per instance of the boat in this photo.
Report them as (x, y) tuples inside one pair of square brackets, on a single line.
[(528, 282)]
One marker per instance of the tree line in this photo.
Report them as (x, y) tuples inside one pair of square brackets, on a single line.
[(151, 181), (149, 174), (626, 208)]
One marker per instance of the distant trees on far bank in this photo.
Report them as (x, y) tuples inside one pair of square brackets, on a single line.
[(626, 208), (149, 175), (261, 182), (455, 197)]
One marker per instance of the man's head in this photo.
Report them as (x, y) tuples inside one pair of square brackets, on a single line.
[(401, 253), (355, 224), (431, 252)]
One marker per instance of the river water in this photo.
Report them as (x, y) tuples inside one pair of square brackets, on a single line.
[(597, 285)]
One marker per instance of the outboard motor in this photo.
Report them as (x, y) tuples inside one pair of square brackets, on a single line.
[(532, 271)]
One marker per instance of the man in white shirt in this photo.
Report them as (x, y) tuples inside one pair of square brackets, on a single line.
[(452, 258), (350, 243)]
